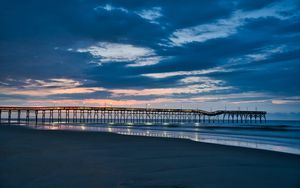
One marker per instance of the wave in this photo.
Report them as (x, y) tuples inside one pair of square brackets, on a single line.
[(280, 138)]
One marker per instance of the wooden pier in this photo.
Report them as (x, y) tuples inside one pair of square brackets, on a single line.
[(121, 115)]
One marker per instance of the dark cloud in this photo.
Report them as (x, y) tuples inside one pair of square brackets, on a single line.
[(39, 61), (39, 40), (252, 5)]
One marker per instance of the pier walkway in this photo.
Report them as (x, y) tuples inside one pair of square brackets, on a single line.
[(126, 115)]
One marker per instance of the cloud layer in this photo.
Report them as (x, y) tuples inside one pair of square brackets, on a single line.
[(203, 54)]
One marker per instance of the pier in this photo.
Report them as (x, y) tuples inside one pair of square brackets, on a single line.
[(122, 115)]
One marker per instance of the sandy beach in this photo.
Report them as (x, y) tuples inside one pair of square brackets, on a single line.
[(36, 158)]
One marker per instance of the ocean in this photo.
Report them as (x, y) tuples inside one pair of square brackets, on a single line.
[(274, 135)]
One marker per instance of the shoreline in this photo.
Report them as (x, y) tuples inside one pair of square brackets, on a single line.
[(238, 140), (35, 158)]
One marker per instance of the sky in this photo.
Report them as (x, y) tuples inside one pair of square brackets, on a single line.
[(210, 55)]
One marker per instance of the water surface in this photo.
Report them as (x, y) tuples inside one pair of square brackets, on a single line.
[(280, 136)]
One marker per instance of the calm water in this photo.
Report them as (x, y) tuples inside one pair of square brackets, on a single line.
[(281, 136)]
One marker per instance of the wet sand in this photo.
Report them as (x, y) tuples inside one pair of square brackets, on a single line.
[(36, 158)]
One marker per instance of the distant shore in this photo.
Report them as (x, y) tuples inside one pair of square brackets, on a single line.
[(39, 158)]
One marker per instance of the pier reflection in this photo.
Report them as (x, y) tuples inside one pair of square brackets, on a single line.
[(198, 136)]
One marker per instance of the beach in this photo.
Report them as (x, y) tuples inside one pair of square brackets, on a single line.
[(44, 158)]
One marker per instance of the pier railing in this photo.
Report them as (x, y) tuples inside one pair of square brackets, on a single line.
[(80, 114)]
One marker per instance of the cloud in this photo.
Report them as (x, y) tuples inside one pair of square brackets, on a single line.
[(202, 33), (233, 98), (250, 101), (187, 73), (190, 89), (287, 100), (260, 54), (54, 82), (42, 88), (152, 14), (223, 28), (202, 79), (59, 86), (107, 52), (47, 92), (155, 103), (110, 8), (208, 53)]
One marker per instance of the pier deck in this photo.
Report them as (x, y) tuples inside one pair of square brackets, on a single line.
[(127, 115)]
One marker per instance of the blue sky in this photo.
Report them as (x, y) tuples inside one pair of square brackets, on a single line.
[(178, 54)]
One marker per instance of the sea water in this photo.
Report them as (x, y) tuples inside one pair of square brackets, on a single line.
[(280, 136)]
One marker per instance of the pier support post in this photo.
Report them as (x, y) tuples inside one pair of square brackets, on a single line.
[(19, 116), (89, 116), (67, 118), (59, 115), (36, 116), (75, 116), (81, 118), (51, 116), (9, 116), (96, 116), (43, 116), (27, 115)]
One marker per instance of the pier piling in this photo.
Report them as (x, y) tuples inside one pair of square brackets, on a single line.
[(132, 115)]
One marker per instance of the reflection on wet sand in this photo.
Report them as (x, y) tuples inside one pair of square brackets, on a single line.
[(198, 136)]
